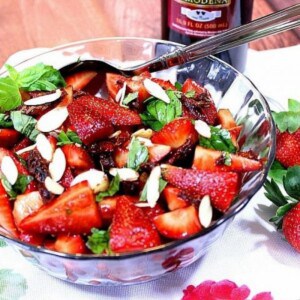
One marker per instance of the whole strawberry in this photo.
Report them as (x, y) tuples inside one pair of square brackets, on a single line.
[(288, 148), (291, 227), (287, 215)]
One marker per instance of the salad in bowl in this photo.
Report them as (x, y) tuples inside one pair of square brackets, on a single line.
[(142, 167)]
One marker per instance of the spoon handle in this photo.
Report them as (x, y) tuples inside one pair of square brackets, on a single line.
[(282, 20)]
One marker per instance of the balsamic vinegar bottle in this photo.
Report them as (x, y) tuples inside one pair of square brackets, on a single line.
[(188, 21)]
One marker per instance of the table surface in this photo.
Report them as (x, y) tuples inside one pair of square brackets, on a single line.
[(27, 24)]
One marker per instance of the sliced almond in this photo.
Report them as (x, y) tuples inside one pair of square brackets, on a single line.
[(53, 187), (142, 204), (44, 99), (44, 147), (144, 133), (202, 128), (121, 94), (98, 180), (27, 149), (9, 169), (25, 205), (156, 90), (53, 119), (205, 211), (153, 186), (115, 134), (145, 141), (58, 165), (126, 174)]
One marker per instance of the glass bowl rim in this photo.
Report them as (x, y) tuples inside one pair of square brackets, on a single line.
[(173, 244)]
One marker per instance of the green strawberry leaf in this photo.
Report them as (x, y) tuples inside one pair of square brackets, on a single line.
[(293, 105), (274, 194), (12, 285), (291, 182), (98, 241), (277, 172), (287, 120)]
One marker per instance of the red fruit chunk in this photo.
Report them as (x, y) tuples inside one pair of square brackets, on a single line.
[(211, 160), (120, 155), (75, 211), (222, 187), (72, 244), (234, 133), (174, 201), (153, 212), (131, 228), (33, 239), (291, 225), (110, 111), (179, 223), (80, 79), (6, 217), (77, 157), (288, 148), (176, 133), (226, 119), (89, 125), (108, 207), (165, 84), (67, 178), (190, 85), (158, 152), (8, 137)]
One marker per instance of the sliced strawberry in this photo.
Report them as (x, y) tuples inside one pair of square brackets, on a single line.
[(235, 133), (112, 112), (33, 239), (158, 152), (67, 98), (80, 79), (165, 84), (213, 160), (25, 142), (75, 211), (72, 244), (153, 212), (9, 137), (222, 187), (199, 106), (176, 133), (179, 223), (108, 207), (190, 85), (226, 119), (120, 155), (6, 217), (67, 178), (89, 125), (77, 157), (114, 82), (174, 201), (131, 228)]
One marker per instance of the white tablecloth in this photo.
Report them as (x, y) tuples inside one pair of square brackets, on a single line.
[(251, 252)]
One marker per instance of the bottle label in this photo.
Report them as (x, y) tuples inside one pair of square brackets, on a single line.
[(200, 18)]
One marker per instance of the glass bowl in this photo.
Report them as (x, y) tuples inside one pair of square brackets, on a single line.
[(230, 89)]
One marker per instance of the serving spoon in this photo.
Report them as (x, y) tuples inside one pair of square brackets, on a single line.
[(277, 22)]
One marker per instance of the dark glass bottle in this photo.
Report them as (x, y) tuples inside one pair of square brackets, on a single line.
[(188, 21)]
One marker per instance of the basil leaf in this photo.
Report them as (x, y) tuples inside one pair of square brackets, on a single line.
[(162, 185), (98, 241), (19, 187), (24, 124), (178, 86), (293, 105), (291, 182), (220, 140), (5, 122), (69, 137), (10, 97), (130, 97), (159, 113), (137, 154), (113, 188), (227, 158), (277, 172), (287, 120), (39, 77)]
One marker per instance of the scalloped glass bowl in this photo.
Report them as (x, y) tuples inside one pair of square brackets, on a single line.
[(229, 89)]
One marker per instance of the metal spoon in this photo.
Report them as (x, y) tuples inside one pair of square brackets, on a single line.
[(280, 21)]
